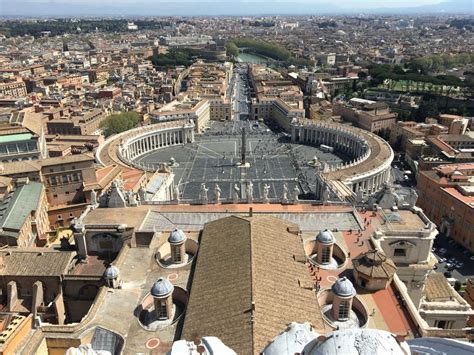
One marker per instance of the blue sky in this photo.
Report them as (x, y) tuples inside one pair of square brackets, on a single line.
[(346, 3), (226, 7)]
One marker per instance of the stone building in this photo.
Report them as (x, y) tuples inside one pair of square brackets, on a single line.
[(369, 115), (22, 137), (24, 215), (32, 282), (446, 194), (373, 270), (442, 306), (406, 237)]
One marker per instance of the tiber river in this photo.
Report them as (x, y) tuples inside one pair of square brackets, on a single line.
[(252, 58)]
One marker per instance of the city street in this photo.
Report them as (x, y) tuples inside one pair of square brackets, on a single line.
[(240, 96)]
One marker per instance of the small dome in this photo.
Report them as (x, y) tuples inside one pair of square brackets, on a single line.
[(161, 288), (343, 287), (111, 273), (325, 237), (177, 236)]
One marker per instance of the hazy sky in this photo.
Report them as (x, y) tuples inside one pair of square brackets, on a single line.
[(346, 3), (225, 7)]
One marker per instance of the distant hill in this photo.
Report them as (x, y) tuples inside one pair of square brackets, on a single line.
[(214, 8), (465, 7)]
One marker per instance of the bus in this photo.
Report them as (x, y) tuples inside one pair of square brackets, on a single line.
[(326, 148)]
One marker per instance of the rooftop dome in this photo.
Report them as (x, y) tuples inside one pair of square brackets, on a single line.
[(343, 287), (292, 340), (325, 237), (358, 341), (177, 236), (112, 272), (161, 288), (375, 264)]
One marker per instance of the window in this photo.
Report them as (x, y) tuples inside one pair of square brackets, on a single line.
[(162, 314), (443, 324), (176, 254), (400, 252), (343, 310), (325, 255)]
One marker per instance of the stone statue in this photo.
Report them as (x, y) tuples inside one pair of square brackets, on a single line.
[(360, 196), (250, 192), (203, 194), (163, 168), (296, 192), (325, 196), (284, 197), (176, 193), (217, 193), (412, 198), (93, 198), (132, 200), (266, 190), (143, 194), (236, 194)]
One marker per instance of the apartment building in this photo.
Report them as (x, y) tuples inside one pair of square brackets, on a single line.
[(446, 194), (13, 89), (86, 122), (369, 115), (22, 137)]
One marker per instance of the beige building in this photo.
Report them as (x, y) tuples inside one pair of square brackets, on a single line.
[(369, 115), (14, 89), (24, 215), (77, 123), (64, 179), (442, 306), (406, 237)]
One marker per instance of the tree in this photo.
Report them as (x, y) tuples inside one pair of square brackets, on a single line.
[(121, 122), (232, 49)]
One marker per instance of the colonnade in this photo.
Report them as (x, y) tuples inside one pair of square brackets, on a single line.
[(358, 175), (340, 139), (149, 139)]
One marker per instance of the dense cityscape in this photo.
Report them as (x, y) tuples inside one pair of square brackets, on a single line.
[(255, 184)]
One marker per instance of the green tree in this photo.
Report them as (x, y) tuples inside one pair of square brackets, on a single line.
[(120, 122), (232, 49)]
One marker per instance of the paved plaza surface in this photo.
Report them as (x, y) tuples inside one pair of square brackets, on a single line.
[(214, 156)]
